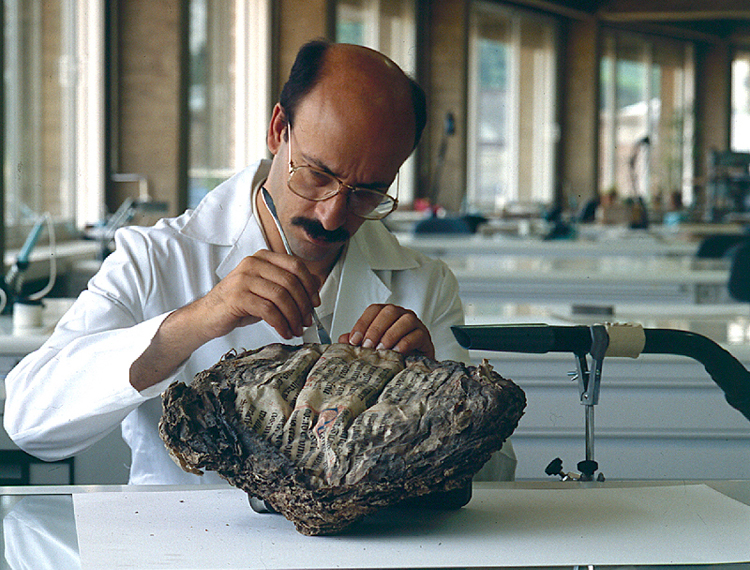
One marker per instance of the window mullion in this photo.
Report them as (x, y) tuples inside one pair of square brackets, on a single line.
[(514, 103)]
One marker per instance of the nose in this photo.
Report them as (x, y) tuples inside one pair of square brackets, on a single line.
[(332, 213)]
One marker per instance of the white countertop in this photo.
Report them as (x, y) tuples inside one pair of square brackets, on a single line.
[(501, 526), (615, 242), (21, 342), (617, 269), (725, 323), (505, 524)]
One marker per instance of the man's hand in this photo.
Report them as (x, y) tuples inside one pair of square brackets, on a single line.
[(390, 326), (272, 287)]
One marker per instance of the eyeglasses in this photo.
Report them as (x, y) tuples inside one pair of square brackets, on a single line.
[(317, 185)]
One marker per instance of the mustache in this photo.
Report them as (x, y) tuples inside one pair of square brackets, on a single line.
[(315, 230)]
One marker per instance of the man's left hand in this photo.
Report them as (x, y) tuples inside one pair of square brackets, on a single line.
[(393, 327)]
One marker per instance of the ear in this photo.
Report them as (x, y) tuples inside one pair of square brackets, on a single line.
[(276, 129)]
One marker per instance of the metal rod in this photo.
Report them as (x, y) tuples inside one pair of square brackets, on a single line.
[(589, 433)]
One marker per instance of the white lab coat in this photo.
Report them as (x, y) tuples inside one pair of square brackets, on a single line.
[(75, 389)]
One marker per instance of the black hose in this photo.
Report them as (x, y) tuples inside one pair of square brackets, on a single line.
[(728, 372), (534, 338)]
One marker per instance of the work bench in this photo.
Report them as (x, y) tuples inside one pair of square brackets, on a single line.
[(557, 524)]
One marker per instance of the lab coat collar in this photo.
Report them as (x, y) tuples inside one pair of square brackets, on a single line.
[(372, 256), (224, 214), (380, 248), (359, 288)]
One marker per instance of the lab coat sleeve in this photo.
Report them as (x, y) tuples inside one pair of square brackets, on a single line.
[(76, 388)]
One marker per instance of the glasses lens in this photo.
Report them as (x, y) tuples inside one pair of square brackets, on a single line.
[(370, 203), (312, 183)]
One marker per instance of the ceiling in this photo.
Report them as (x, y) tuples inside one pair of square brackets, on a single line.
[(711, 20)]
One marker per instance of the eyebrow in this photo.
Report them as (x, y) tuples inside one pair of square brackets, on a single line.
[(321, 166)]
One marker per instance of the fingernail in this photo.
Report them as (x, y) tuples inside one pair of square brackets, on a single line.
[(380, 346), (356, 338), (368, 343)]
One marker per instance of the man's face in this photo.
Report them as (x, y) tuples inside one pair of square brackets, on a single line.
[(347, 140)]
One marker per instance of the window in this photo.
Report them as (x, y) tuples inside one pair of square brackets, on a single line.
[(646, 117), (389, 27), (229, 94), (741, 102), (512, 131), (54, 100)]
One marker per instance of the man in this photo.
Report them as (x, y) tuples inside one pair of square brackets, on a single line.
[(172, 299)]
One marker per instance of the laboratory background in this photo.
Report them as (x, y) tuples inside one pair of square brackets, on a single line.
[(583, 162)]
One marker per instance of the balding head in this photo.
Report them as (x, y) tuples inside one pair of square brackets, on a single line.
[(356, 76)]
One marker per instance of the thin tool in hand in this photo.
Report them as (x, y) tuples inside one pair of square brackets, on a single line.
[(322, 332)]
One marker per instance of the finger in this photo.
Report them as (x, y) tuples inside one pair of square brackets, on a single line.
[(417, 341), (261, 286), (289, 284), (370, 327), (276, 297), (296, 267), (388, 326), (287, 293), (269, 312), (392, 327), (231, 304), (397, 329)]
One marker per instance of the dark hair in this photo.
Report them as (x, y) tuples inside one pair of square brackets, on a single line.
[(304, 76), (419, 101)]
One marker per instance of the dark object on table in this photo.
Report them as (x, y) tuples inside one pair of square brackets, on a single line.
[(438, 225), (326, 435), (716, 246), (739, 273)]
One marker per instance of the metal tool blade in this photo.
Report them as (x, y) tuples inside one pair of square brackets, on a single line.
[(323, 335)]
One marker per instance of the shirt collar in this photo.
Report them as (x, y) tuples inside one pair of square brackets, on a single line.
[(223, 214)]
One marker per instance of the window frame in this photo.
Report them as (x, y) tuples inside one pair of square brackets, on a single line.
[(80, 71), (642, 150), (542, 192), (740, 92), (246, 87)]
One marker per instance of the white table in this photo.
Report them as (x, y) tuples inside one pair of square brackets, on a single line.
[(505, 524), (605, 243), (620, 266)]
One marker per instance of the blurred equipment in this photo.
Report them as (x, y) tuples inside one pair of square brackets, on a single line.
[(716, 246), (637, 205), (124, 215), (449, 129), (437, 221), (12, 290), (559, 227), (728, 188), (739, 273)]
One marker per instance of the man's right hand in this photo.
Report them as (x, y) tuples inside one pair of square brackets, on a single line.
[(273, 287)]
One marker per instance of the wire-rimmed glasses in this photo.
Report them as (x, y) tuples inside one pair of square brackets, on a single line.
[(317, 185)]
